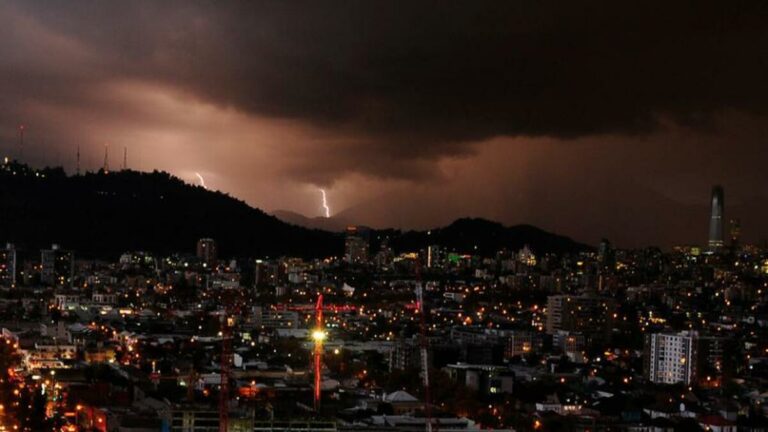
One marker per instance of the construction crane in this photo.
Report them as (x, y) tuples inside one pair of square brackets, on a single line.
[(192, 378), (231, 299), (226, 361), (318, 335), (424, 350)]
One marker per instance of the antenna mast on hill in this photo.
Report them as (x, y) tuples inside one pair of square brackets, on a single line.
[(106, 158), (21, 141)]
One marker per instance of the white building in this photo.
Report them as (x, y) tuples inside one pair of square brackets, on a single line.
[(670, 358)]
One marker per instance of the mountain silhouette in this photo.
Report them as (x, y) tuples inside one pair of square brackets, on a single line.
[(102, 215)]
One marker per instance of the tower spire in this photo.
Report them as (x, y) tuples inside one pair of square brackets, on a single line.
[(77, 165), (106, 158), (125, 158), (21, 140)]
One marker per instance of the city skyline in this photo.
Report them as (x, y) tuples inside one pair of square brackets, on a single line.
[(383, 216), (409, 117)]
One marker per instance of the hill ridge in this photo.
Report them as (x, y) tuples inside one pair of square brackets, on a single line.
[(104, 215)]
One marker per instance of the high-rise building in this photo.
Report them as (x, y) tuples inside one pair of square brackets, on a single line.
[(605, 254), (206, 250), (716, 219), (356, 245), (735, 232), (670, 358), (385, 256), (8, 266), (58, 266)]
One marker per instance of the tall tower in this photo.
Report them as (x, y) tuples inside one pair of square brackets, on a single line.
[(106, 158), (21, 141), (716, 219)]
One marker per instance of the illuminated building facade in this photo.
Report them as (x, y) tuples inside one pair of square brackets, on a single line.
[(521, 342), (670, 358)]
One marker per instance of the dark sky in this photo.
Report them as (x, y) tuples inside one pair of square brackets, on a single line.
[(592, 119)]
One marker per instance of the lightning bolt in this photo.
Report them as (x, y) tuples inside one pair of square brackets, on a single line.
[(325, 204), (202, 180)]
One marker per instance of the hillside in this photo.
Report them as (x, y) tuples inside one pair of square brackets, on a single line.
[(332, 223), (486, 237), (104, 215)]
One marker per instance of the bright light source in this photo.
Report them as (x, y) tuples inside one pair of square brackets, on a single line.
[(318, 335)]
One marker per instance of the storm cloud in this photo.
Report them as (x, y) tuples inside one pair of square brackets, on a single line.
[(276, 94)]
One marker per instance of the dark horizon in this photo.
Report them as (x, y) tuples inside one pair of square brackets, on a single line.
[(339, 223)]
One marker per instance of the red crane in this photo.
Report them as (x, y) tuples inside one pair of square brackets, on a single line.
[(232, 301), (424, 350), (226, 361), (318, 335)]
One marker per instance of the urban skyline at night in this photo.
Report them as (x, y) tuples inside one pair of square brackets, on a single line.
[(383, 216)]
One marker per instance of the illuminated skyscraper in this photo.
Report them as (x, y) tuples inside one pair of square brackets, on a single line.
[(716, 219)]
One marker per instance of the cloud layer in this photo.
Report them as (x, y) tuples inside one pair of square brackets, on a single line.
[(270, 99)]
